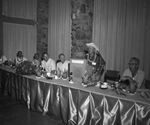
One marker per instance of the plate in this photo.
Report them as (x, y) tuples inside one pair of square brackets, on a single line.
[(84, 85), (131, 93)]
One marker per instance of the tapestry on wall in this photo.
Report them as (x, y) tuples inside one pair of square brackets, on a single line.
[(42, 26), (82, 23)]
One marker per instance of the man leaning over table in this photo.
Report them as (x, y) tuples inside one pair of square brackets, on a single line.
[(95, 61), (47, 63), (133, 74)]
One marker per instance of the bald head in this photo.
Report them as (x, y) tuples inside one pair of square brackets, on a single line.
[(134, 64)]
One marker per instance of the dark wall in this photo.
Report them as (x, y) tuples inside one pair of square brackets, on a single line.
[(1, 26)]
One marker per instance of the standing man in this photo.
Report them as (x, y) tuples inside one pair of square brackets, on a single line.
[(95, 61), (48, 64)]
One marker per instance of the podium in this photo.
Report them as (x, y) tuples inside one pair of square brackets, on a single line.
[(78, 69)]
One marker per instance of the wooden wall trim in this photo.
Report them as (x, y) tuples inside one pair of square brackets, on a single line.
[(1, 27), (18, 20)]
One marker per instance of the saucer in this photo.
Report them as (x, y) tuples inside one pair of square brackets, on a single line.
[(37, 77), (131, 93), (64, 79)]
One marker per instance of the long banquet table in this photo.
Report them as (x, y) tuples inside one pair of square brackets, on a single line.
[(73, 103)]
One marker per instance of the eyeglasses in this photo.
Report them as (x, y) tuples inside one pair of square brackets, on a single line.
[(133, 64)]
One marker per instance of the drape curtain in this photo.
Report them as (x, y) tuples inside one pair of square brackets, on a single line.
[(59, 25), (18, 37), (121, 29), (20, 8)]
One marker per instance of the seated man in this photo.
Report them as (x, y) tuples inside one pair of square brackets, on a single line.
[(36, 60), (62, 66), (20, 58), (95, 61), (2, 58), (133, 74), (47, 63)]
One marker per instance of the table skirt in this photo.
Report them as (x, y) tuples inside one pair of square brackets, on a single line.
[(73, 106)]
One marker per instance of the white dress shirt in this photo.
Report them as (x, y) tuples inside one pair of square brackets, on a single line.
[(18, 60), (3, 59), (139, 77), (49, 65), (62, 66)]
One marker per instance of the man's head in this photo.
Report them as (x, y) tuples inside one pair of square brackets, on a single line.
[(62, 57), (36, 56), (19, 54), (92, 48), (134, 64), (45, 56)]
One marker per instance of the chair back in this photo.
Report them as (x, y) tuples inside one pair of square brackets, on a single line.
[(111, 75), (147, 84)]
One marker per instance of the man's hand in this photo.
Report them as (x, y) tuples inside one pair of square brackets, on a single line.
[(126, 78), (53, 72)]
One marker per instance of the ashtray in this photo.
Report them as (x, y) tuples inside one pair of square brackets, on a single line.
[(49, 77), (131, 93), (85, 85)]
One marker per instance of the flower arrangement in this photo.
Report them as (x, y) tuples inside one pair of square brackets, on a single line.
[(90, 79), (126, 85), (25, 68)]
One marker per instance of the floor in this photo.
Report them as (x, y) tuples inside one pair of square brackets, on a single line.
[(14, 113)]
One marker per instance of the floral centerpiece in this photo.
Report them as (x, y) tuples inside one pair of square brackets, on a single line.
[(25, 68), (90, 79)]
